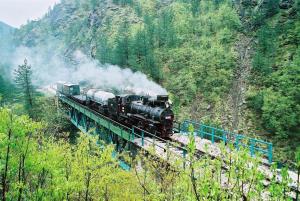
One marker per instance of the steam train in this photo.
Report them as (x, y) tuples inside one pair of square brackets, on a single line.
[(152, 114)]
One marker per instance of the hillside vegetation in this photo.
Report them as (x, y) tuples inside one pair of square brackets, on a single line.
[(35, 166), (234, 64)]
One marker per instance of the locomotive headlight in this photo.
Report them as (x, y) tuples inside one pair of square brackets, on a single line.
[(168, 117)]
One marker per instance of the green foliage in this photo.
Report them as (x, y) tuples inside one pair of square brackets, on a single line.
[(279, 113), (276, 74), (6, 87), (263, 60), (272, 7), (205, 179), (38, 168), (34, 167), (122, 45), (166, 29), (56, 124)]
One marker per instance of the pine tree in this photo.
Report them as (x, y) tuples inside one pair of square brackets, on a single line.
[(23, 81), (166, 31), (122, 45), (103, 52), (195, 5)]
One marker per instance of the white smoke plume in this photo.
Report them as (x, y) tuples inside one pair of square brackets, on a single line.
[(49, 68)]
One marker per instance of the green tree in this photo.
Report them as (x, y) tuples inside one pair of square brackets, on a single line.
[(263, 60), (271, 7), (104, 53), (23, 80), (278, 113), (6, 87), (195, 5), (16, 135), (165, 29), (122, 45)]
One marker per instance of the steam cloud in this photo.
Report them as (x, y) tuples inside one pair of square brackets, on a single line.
[(49, 68)]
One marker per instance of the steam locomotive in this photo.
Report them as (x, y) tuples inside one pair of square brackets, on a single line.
[(153, 114)]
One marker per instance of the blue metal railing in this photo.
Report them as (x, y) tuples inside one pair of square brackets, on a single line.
[(219, 135)]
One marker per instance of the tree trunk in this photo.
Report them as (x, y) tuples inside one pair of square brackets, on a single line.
[(19, 179), (87, 186), (194, 182), (4, 182), (22, 176)]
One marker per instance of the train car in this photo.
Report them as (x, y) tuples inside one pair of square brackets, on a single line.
[(68, 89), (98, 100)]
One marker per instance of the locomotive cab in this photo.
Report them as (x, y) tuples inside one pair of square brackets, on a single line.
[(154, 112)]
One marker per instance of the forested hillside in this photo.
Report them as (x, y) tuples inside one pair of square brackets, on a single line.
[(234, 64)]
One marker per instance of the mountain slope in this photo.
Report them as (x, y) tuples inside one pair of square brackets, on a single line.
[(229, 64)]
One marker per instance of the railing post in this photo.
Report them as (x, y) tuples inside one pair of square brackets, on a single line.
[(252, 147), (143, 138), (224, 137), (121, 133), (213, 135), (132, 132), (201, 131), (179, 127), (270, 152)]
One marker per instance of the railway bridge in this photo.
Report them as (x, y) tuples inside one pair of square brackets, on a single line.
[(134, 139), (110, 131)]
